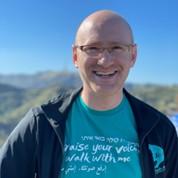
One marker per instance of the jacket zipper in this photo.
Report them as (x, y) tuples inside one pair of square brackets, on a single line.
[(141, 145), (60, 141), (62, 148)]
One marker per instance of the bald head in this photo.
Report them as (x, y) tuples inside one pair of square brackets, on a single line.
[(104, 25)]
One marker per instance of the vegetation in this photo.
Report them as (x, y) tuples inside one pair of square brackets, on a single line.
[(164, 98), (15, 100)]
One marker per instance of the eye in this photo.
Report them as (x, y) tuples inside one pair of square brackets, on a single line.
[(117, 48), (91, 49)]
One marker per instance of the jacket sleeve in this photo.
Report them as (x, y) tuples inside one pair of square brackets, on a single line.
[(17, 155), (171, 153)]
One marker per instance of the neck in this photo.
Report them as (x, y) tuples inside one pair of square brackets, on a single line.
[(102, 101)]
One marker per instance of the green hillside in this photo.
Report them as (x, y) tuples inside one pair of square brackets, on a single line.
[(16, 104), (16, 101), (164, 98)]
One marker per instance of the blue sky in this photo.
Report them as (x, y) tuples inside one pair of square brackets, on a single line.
[(37, 35)]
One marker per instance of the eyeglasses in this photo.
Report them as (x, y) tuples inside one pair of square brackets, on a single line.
[(96, 51)]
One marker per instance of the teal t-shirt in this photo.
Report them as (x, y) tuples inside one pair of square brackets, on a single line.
[(101, 143)]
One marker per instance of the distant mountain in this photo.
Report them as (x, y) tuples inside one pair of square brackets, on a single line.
[(41, 79), (18, 93), (10, 98), (8, 88)]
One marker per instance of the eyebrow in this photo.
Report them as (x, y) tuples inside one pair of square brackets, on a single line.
[(101, 43)]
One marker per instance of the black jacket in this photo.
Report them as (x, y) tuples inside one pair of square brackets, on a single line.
[(35, 147)]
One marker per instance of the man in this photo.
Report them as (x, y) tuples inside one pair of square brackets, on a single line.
[(100, 130)]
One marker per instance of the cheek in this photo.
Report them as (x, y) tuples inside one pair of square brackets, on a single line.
[(87, 63), (127, 60), (83, 65)]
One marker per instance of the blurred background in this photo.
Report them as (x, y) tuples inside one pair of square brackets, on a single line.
[(36, 61)]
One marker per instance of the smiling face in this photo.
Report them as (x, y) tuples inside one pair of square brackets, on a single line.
[(106, 74)]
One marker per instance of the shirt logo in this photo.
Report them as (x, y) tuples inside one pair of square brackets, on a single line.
[(158, 158)]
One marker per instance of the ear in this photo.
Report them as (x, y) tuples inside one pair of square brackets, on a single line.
[(74, 56), (133, 54)]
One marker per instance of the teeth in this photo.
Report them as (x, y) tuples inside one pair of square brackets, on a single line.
[(105, 73)]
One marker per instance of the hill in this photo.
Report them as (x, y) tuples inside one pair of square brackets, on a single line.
[(8, 88), (41, 79), (10, 98), (164, 98), (16, 104), (20, 93)]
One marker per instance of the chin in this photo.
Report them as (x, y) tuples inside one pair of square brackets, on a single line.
[(106, 90)]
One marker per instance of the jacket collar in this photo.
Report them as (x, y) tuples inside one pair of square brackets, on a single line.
[(146, 117)]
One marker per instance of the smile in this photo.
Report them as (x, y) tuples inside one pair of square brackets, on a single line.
[(105, 74)]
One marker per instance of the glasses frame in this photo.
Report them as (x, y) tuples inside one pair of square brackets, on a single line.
[(125, 46)]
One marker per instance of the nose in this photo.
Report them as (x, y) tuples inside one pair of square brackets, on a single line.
[(106, 59)]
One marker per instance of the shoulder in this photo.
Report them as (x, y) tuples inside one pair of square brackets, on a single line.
[(61, 103), (148, 113)]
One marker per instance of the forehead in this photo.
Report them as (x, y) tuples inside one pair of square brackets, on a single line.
[(110, 32)]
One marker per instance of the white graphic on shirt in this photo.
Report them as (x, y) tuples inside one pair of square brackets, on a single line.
[(94, 153)]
